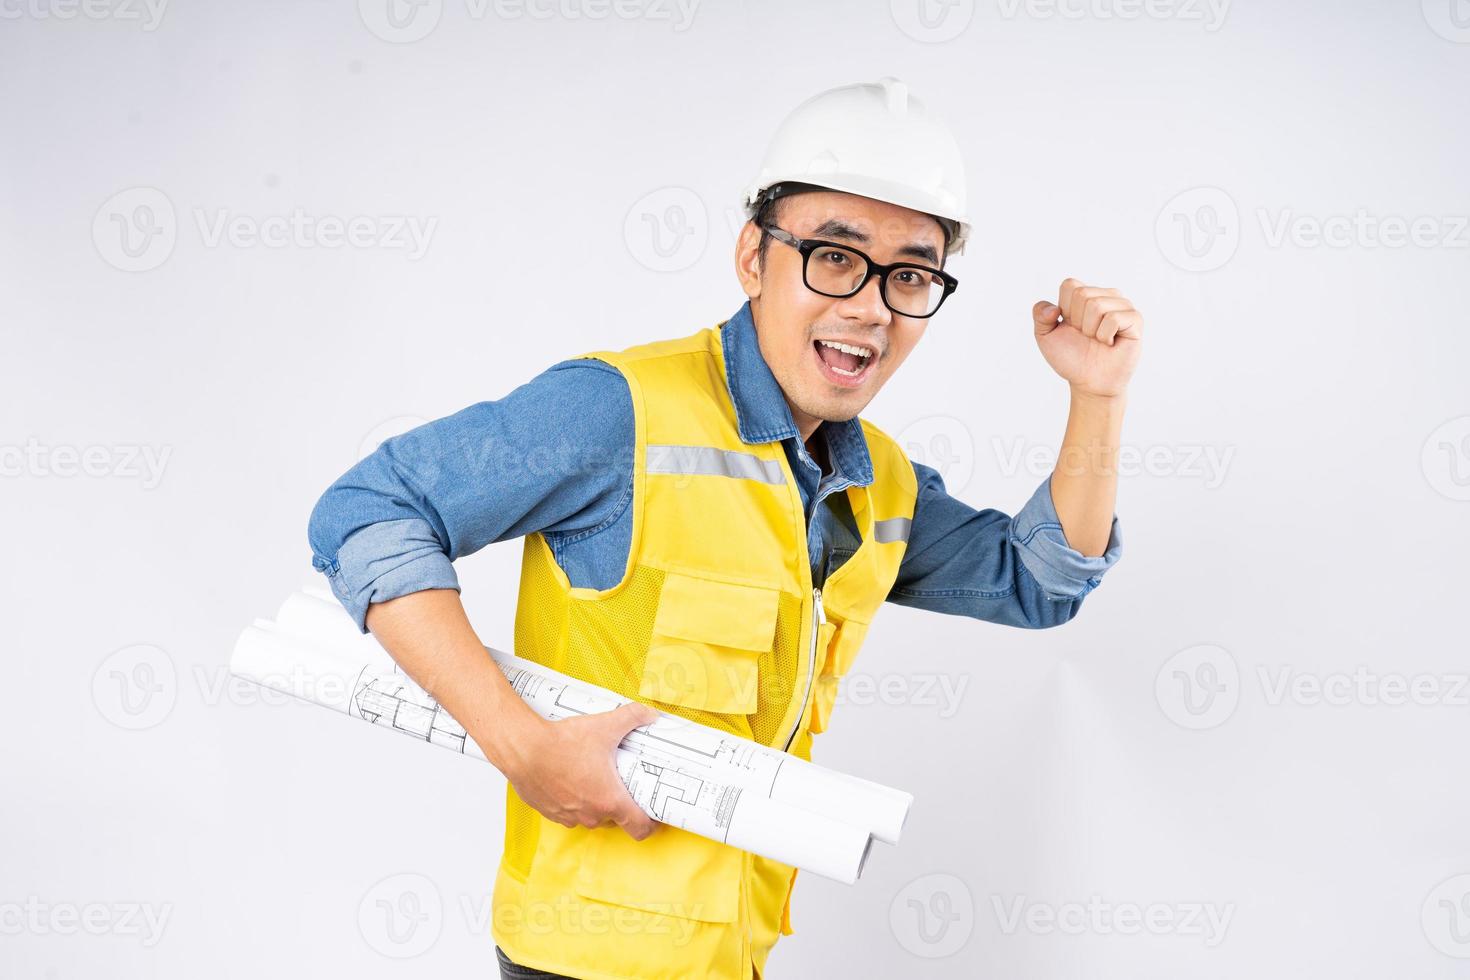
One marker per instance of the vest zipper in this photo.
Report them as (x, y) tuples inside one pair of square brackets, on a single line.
[(819, 616)]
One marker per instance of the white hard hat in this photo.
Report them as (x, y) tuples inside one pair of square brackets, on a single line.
[(874, 140)]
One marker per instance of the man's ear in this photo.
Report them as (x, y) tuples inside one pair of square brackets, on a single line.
[(747, 259)]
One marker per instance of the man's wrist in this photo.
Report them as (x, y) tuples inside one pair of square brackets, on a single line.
[(1104, 403), (508, 733)]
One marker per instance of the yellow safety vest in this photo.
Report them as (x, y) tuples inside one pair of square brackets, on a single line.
[(716, 620)]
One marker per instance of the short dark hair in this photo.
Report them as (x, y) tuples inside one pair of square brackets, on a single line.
[(771, 204), (768, 212)]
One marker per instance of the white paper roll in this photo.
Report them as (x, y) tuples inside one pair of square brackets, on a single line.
[(709, 782)]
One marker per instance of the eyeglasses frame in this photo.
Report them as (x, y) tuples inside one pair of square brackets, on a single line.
[(808, 245)]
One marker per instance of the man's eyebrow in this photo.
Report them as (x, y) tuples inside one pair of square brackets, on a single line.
[(840, 230), (917, 251)]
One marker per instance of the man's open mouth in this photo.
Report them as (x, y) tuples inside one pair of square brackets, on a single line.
[(844, 364)]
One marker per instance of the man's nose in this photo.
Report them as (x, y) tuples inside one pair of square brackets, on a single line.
[(867, 305)]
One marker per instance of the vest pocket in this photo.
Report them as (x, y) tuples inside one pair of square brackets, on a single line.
[(670, 873), (786, 929), (707, 639), (841, 650)]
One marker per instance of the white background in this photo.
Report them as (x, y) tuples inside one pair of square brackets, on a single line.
[(1146, 755)]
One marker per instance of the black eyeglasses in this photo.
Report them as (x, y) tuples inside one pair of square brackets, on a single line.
[(838, 271)]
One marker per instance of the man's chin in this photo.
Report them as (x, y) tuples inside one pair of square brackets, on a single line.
[(840, 408)]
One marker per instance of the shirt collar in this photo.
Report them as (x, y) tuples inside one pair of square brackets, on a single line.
[(761, 412)]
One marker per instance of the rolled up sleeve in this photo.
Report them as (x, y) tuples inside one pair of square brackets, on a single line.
[(1062, 571), (384, 561)]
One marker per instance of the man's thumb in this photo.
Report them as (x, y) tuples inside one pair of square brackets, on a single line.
[(631, 715), (1044, 314)]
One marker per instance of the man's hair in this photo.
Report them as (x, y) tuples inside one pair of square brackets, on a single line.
[(768, 212)]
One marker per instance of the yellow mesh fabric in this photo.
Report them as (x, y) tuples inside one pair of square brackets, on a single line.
[(540, 610), (779, 674)]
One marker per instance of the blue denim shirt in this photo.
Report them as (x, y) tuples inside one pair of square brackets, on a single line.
[(556, 456)]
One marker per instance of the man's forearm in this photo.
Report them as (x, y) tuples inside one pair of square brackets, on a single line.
[(1084, 485), (430, 637)]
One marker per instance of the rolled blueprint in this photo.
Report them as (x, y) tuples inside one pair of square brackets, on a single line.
[(797, 782), (687, 775)]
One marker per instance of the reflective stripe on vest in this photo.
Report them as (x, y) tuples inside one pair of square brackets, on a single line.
[(709, 461), (893, 529)]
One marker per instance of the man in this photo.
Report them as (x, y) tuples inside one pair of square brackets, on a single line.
[(709, 529)]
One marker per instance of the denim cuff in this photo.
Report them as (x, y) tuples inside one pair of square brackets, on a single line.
[(1062, 571), (384, 561)]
